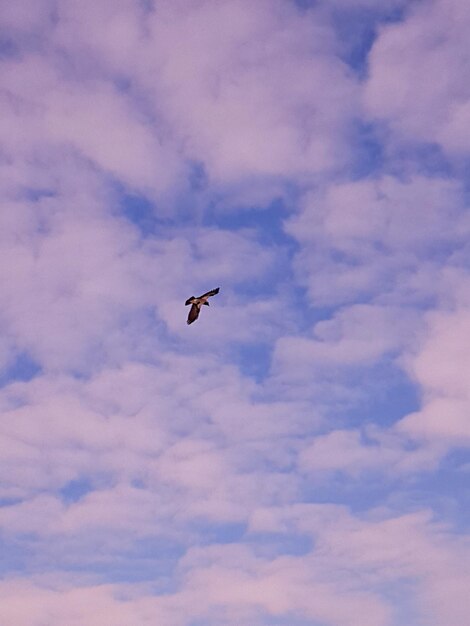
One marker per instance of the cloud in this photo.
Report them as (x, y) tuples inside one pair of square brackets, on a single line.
[(294, 456), (361, 236), (231, 582), (27, 16), (47, 113), (440, 366), (347, 451), (429, 42), (76, 605), (357, 335), (216, 76), (387, 551), (59, 301)]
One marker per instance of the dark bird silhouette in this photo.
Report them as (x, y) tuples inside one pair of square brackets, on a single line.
[(196, 304)]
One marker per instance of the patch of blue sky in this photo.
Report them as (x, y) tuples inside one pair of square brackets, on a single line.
[(22, 368), (151, 217), (305, 5), (198, 180), (380, 394), (9, 48), (266, 221), (253, 359), (9, 501), (426, 158), (261, 619), (400, 595), (360, 492), (266, 224), (356, 29), (441, 490), (75, 490), (34, 194), (369, 158), (387, 394), (290, 620), (450, 252), (209, 533), (15, 555), (150, 559), (444, 491), (140, 211), (122, 83), (272, 544), (356, 26)]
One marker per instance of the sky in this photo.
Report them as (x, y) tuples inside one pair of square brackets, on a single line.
[(299, 455)]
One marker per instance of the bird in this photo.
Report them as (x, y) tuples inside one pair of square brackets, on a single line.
[(196, 304)]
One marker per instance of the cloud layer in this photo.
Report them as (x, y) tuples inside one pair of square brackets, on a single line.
[(297, 456)]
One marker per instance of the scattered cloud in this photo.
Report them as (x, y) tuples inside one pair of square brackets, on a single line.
[(268, 464), (429, 42)]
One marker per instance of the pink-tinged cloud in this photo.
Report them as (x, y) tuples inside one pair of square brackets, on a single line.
[(410, 549), (356, 335), (441, 366), (418, 75), (234, 85), (347, 451), (46, 113), (226, 584), (357, 236), (151, 151)]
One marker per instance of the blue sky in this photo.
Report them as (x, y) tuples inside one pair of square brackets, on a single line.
[(299, 455)]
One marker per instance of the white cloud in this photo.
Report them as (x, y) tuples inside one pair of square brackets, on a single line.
[(356, 335), (378, 451), (440, 366), (45, 113), (419, 75), (362, 561), (234, 85), (359, 237), (409, 549), (140, 450)]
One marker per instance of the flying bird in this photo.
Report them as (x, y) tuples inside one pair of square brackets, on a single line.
[(196, 304)]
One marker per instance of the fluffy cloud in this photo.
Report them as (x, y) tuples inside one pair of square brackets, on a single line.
[(227, 472), (233, 85), (440, 366), (223, 584), (361, 236), (376, 451), (418, 75)]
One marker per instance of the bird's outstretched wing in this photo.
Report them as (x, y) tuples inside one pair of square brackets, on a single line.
[(193, 314), (212, 292)]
